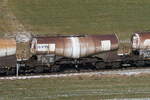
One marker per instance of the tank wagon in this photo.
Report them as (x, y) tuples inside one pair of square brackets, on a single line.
[(7, 54), (72, 50), (140, 43)]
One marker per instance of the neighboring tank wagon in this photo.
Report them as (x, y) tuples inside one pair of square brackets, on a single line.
[(141, 44), (140, 50), (7, 54), (141, 41)]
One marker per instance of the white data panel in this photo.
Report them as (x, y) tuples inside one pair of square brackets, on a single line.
[(42, 47), (51, 47), (147, 43), (105, 45)]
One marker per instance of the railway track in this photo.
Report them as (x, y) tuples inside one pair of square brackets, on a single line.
[(126, 71)]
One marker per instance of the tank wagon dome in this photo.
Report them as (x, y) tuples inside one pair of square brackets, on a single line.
[(74, 46), (141, 40)]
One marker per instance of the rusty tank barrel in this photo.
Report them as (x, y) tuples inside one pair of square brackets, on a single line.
[(7, 47), (74, 46), (141, 41)]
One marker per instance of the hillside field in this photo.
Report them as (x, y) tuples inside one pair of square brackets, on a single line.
[(83, 16)]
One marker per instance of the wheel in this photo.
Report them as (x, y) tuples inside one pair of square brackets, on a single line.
[(55, 68), (147, 63), (116, 65), (100, 65), (38, 69), (139, 63), (11, 72)]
